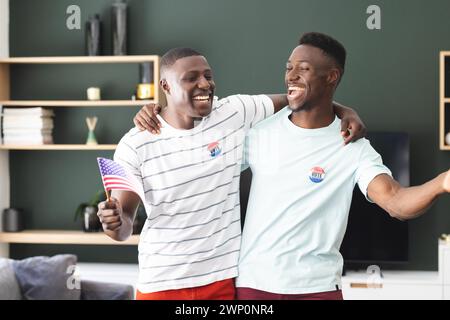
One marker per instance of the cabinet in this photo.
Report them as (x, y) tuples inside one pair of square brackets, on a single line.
[(66, 236), (444, 99), (402, 285)]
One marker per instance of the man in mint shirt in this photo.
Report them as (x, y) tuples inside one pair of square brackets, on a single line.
[(303, 179)]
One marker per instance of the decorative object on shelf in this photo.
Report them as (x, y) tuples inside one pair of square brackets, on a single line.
[(93, 94), (93, 36), (91, 123), (12, 220), (119, 27), (447, 138), (88, 213), (445, 237), (146, 87)]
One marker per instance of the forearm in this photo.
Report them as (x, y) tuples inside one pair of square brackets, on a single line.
[(125, 230), (409, 203), (279, 101), (341, 111)]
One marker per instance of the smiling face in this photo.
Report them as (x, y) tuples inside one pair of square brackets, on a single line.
[(310, 77), (189, 86)]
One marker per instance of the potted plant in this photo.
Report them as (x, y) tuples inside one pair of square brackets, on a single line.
[(87, 211)]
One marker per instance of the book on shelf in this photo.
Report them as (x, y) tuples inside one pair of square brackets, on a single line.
[(27, 126), (38, 111), (35, 140), (25, 123), (27, 131)]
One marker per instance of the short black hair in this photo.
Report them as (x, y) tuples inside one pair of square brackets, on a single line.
[(330, 46), (171, 56)]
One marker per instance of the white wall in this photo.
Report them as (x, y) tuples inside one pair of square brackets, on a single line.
[(4, 156)]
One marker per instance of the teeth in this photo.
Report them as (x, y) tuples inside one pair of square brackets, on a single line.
[(296, 89), (201, 98)]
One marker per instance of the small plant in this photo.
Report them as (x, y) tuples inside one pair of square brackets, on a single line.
[(98, 197)]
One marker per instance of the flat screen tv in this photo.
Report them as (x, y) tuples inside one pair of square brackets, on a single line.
[(374, 237)]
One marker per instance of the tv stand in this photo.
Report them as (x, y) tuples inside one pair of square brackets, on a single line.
[(401, 285)]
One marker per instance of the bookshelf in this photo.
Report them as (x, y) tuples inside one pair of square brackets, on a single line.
[(56, 147), (63, 237), (444, 99), (69, 236), (75, 103)]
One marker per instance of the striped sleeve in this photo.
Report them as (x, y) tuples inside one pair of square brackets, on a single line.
[(253, 109), (126, 155)]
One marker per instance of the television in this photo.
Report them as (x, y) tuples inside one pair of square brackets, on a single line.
[(373, 236)]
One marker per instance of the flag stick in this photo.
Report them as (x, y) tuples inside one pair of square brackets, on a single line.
[(107, 195)]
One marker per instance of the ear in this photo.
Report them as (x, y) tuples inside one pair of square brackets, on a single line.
[(333, 76), (164, 86)]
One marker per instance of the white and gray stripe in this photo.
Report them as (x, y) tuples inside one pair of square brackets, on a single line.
[(190, 135), (191, 164), (193, 239), (194, 276)]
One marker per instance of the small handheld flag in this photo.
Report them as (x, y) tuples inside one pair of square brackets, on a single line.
[(117, 177)]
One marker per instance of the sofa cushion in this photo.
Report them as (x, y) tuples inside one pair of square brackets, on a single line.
[(47, 278), (93, 290), (9, 287)]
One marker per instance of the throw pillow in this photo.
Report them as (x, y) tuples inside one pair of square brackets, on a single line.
[(47, 278), (9, 287)]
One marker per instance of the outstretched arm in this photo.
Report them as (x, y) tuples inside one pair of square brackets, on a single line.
[(406, 203)]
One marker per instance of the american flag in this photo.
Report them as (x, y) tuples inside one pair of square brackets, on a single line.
[(116, 177)]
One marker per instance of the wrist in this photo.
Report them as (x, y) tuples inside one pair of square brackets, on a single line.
[(441, 183)]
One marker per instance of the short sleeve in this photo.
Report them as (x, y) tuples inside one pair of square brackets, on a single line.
[(253, 108), (370, 165), (127, 156)]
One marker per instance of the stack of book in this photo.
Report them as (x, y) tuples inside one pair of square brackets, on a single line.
[(27, 126)]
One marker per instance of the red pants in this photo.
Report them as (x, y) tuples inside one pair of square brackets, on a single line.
[(220, 290), (253, 294)]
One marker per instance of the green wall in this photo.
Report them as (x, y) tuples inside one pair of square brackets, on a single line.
[(391, 79)]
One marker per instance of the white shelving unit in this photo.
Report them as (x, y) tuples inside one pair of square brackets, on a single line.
[(4, 154), (402, 285), (61, 236)]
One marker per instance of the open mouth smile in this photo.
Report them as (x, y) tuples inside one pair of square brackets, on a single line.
[(295, 92)]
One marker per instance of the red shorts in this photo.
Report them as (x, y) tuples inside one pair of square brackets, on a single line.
[(220, 290), (253, 294)]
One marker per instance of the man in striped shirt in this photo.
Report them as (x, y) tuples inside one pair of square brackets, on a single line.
[(189, 246)]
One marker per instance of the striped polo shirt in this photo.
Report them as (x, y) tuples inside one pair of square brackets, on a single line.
[(191, 183)]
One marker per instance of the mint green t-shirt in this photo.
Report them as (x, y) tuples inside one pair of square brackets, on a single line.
[(303, 181)]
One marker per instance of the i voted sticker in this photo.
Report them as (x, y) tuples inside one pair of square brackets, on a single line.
[(317, 175), (214, 149)]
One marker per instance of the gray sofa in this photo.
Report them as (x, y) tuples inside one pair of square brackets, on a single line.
[(54, 278)]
